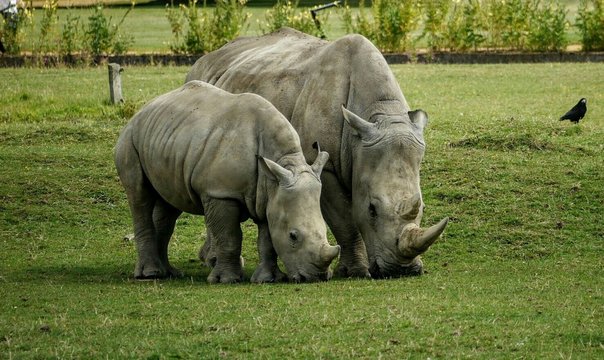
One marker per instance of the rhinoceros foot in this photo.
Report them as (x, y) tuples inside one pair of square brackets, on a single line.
[(156, 271), (352, 270), (268, 274), (225, 275)]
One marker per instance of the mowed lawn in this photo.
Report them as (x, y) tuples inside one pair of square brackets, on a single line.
[(519, 272)]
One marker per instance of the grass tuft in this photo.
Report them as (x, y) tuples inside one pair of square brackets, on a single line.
[(505, 143)]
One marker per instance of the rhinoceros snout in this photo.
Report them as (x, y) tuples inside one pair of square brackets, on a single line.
[(380, 269), (302, 277)]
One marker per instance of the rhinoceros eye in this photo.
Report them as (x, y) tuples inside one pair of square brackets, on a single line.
[(372, 211), (293, 237)]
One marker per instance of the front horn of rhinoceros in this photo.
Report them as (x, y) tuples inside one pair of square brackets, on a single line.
[(329, 253), (415, 240), (412, 242)]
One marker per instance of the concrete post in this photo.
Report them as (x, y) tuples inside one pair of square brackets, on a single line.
[(115, 83)]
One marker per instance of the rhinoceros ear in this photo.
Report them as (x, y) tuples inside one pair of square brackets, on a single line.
[(419, 118), (276, 172), (366, 130), (320, 161)]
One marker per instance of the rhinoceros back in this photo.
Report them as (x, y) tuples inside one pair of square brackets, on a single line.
[(274, 66), (308, 80), (201, 142)]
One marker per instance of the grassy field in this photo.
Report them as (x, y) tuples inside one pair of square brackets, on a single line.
[(518, 273)]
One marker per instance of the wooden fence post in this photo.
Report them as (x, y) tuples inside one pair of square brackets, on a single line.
[(115, 83)]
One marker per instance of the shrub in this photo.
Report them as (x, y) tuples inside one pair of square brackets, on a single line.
[(205, 32), (71, 41), (191, 41), (228, 22), (511, 24), (12, 29), (390, 25), (435, 13), (48, 26), (98, 35), (286, 13), (548, 28), (465, 29), (590, 22), (103, 37)]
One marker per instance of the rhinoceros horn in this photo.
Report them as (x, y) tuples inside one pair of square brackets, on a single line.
[(415, 240), (366, 130), (276, 172), (328, 253)]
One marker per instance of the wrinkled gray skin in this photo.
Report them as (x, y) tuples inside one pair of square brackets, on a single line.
[(343, 95), (201, 150)]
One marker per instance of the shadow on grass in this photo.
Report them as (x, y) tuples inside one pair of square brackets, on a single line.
[(107, 273)]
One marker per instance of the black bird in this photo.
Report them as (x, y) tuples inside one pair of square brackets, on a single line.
[(577, 112)]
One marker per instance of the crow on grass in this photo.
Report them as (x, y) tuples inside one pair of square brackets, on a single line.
[(577, 112)]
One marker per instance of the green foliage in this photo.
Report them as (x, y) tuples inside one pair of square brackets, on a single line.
[(435, 30), (590, 22), (517, 274), (548, 26), (70, 39), (48, 26), (12, 29), (286, 13), (98, 34), (465, 27), (228, 21), (196, 32), (390, 24), (462, 25), (511, 21), (102, 36)]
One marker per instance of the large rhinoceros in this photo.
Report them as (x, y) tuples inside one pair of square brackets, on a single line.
[(344, 95), (202, 150)]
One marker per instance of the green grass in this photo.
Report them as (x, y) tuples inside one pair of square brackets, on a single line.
[(518, 273)]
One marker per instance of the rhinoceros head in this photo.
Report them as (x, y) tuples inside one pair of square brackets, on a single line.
[(297, 228), (386, 194)]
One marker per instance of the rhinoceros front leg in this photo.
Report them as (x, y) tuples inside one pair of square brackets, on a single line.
[(207, 255), (267, 270), (337, 211), (222, 221)]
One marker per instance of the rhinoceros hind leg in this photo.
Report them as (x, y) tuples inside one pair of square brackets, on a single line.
[(222, 221), (142, 199), (164, 220), (268, 270), (152, 239), (337, 211)]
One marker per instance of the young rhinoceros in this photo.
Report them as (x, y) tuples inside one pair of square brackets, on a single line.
[(202, 150)]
